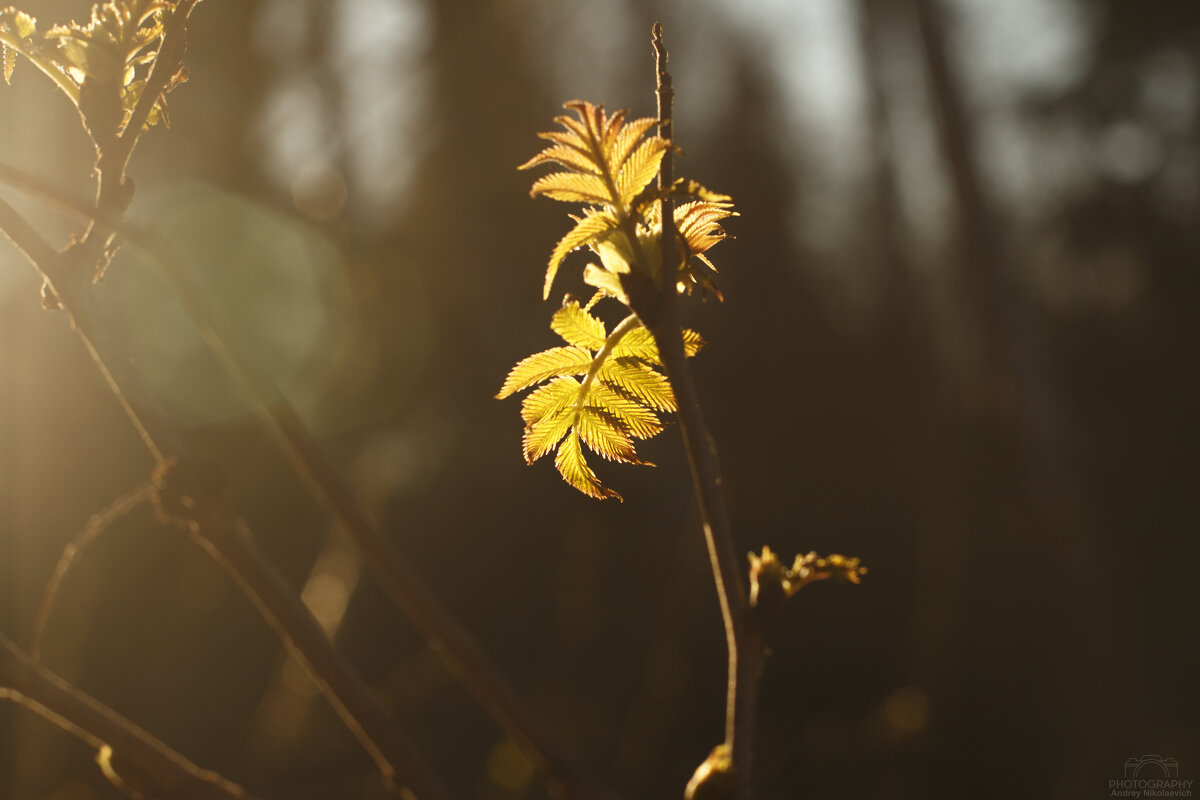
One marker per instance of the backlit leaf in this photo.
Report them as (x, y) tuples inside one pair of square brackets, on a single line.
[(698, 223), (608, 164), (641, 168), (549, 399), (637, 420), (571, 187), (541, 436), (640, 344), (603, 432), (577, 473), (565, 154), (634, 379), (578, 327), (629, 137), (588, 228), (605, 281), (546, 364)]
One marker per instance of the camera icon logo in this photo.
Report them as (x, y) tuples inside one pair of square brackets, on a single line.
[(1151, 767)]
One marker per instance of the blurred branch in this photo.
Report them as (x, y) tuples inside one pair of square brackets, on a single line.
[(457, 648), (288, 615), (25, 237), (983, 276), (195, 496), (53, 699), (67, 286), (96, 525), (61, 290)]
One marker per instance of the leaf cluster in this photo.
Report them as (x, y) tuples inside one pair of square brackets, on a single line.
[(608, 164), (115, 48), (604, 390)]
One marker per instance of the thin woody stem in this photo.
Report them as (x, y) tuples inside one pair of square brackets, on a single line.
[(52, 266), (96, 525), (228, 540), (168, 772), (743, 640)]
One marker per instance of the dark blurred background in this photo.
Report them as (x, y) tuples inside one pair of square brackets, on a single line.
[(959, 341)]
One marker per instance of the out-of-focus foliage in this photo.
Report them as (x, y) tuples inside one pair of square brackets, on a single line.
[(116, 46)]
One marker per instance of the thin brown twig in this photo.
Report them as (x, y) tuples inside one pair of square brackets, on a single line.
[(96, 525), (51, 265), (194, 496), (134, 750), (742, 636)]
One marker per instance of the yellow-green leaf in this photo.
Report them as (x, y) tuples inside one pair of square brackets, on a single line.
[(546, 364), (541, 436), (572, 187), (694, 189), (577, 473), (588, 228), (578, 327), (698, 223), (549, 399), (640, 169), (637, 420), (566, 154), (602, 431), (639, 344), (9, 58), (613, 155), (605, 281), (632, 378), (628, 139)]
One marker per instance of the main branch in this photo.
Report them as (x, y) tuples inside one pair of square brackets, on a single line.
[(744, 642)]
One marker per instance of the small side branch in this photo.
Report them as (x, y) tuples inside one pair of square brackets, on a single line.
[(195, 496), (132, 749), (96, 525)]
